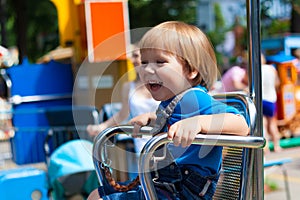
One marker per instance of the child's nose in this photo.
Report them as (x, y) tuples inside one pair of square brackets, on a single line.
[(150, 68)]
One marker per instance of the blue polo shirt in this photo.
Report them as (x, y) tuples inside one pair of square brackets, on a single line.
[(206, 160)]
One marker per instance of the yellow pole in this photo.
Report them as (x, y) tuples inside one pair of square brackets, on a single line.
[(69, 31)]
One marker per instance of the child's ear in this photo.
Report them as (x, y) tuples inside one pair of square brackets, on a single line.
[(193, 75)]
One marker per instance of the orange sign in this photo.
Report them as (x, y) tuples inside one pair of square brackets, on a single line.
[(107, 26)]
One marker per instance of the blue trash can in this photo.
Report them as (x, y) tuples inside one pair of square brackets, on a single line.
[(35, 88)]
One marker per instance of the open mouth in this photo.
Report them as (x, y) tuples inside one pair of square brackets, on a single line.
[(154, 86)]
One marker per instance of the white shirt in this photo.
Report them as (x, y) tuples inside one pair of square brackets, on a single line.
[(269, 76)]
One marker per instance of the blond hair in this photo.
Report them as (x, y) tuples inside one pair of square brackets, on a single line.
[(188, 43)]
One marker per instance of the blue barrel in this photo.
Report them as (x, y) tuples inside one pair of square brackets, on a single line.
[(35, 88)]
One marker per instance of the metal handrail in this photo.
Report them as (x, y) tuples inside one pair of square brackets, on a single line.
[(201, 139), (100, 139), (99, 153)]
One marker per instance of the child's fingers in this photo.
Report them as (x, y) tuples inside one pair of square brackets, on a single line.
[(172, 131), (136, 129), (175, 134)]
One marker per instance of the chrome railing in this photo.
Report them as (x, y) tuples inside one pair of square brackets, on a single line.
[(100, 154)]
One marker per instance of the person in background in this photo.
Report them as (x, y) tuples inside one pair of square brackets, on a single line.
[(235, 79), (233, 45), (6, 126), (270, 83), (136, 99)]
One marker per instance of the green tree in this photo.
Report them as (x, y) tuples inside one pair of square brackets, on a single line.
[(217, 36), (32, 27), (272, 27), (148, 13)]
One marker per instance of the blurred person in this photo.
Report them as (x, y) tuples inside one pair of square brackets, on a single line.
[(233, 45), (296, 53), (8, 57), (6, 127), (136, 100), (235, 79), (270, 83)]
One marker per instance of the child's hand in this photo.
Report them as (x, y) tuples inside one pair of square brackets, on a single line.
[(141, 120), (184, 132), (94, 130)]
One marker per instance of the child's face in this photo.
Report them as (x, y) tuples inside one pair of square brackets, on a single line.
[(163, 74)]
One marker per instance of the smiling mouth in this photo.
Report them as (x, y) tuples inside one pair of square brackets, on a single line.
[(154, 86)]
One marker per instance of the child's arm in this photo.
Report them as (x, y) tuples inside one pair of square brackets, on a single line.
[(184, 132), (117, 118)]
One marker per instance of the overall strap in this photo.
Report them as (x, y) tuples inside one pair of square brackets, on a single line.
[(164, 114)]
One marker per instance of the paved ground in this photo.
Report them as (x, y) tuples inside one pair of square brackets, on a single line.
[(275, 175)]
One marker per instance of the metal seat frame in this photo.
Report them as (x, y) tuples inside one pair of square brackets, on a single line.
[(228, 187)]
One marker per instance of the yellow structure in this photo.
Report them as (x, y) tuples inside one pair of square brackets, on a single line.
[(68, 24), (98, 32)]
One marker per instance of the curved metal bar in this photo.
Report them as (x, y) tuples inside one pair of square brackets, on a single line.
[(242, 97), (150, 147), (104, 136), (160, 139), (99, 152)]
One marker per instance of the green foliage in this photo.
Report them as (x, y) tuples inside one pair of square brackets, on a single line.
[(271, 184), (279, 27), (41, 27), (42, 32), (9, 26), (269, 26), (148, 13), (217, 36), (219, 19)]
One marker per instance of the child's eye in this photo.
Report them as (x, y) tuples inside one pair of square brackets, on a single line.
[(160, 61)]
